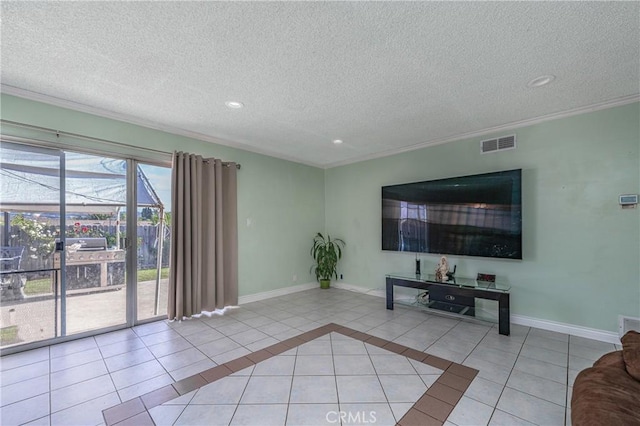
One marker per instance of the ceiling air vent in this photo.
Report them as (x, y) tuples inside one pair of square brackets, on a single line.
[(498, 144)]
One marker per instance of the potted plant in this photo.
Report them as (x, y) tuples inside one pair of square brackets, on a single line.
[(326, 252)]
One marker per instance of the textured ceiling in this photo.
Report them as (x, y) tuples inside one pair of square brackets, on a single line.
[(383, 76)]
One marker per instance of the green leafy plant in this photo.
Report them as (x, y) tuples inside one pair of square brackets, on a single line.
[(326, 252), (100, 216), (155, 218), (147, 213)]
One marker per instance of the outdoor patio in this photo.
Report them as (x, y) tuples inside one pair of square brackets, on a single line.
[(33, 317)]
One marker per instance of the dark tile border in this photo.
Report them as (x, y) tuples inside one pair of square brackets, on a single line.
[(432, 408), (164, 394), (123, 411)]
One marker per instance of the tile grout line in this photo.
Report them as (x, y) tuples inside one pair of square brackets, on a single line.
[(382, 387), (106, 367), (310, 335), (50, 390), (181, 336), (145, 345), (417, 411), (51, 412), (565, 407), (239, 400), (361, 327), (109, 373), (293, 373), (493, 409), (508, 377)]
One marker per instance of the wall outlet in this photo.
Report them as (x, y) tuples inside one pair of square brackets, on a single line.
[(295, 278), (341, 276)]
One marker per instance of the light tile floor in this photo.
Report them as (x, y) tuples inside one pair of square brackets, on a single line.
[(524, 378), (311, 384)]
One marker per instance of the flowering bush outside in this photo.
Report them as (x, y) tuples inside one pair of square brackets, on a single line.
[(40, 239), (91, 231), (40, 236)]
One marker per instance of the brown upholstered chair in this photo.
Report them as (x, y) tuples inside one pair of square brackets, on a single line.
[(609, 392)]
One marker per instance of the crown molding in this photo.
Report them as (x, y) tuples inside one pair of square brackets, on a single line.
[(625, 100), (76, 106), (100, 112)]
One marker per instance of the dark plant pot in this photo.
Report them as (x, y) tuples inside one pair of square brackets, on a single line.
[(325, 283)]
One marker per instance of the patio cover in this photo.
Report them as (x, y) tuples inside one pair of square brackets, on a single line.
[(30, 181)]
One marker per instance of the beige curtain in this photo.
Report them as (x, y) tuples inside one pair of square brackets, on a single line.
[(204, 238)]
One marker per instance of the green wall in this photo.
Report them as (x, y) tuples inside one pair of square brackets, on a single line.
[(280, 203), (581, 250), (581, 261)]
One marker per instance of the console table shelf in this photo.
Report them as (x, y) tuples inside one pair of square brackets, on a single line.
[(460, 287)]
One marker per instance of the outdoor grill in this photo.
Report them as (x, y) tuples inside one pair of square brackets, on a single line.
[(87, 244), (89, 264)]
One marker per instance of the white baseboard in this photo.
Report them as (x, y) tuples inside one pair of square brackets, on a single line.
[(276, 293), (574, 330), (359, 289), (560, 327)]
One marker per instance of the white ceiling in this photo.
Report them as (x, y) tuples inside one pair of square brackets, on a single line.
[(384, 77)]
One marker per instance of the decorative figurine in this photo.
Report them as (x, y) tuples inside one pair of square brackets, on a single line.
[(442, 269)]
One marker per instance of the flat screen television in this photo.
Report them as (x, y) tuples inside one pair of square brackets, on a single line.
[(478, 215)]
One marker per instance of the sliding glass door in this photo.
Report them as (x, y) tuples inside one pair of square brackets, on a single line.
[(31, 220), (83, 243), (95, 282), (154, 237)]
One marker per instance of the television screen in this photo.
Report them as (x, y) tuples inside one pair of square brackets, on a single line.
[(478, 215)]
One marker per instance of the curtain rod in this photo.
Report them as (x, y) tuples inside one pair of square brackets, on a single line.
[(224, 163), (59, 133)]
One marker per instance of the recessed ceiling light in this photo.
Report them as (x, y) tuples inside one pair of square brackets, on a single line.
[(234, 104), (543, 80), (337, 141)]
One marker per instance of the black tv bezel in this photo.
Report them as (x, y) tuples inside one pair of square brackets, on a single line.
[(520, 253)]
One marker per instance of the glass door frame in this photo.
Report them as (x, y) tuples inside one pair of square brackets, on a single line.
[(130, 242), (63, 241), (134, 220), (59, 332)]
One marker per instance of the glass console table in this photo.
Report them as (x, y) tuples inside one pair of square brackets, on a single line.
[(456, 295)]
